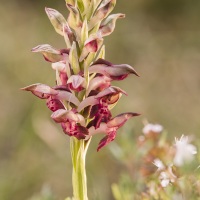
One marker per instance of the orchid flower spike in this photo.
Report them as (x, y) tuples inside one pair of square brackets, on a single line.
[(82, 99)]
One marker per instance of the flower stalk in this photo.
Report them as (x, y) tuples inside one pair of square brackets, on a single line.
[(83, 97), (79, 180)]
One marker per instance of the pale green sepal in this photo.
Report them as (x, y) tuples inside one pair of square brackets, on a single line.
[(91, 8), (96, 3), (95, 29), (56, 19), (101, 53), (81, 5), (72, 2), (84, 32), (73, 59), (87, 63), (102, 12), (74, 17), (68, 35), (86, 3)]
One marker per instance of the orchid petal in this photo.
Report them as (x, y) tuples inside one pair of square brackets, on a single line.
[(115, 72), (76, 81), (82, 132), (102, 12), (59, 115), (89, 101), (50, 54), (106, 140), (120, 119), (68, 35), (56, 19), (102, 129), (108, 25), (92, 44), (62, 115), (60, 66), (41, 90), (109, 91), (67, 96), (54, 104), (99, 81)]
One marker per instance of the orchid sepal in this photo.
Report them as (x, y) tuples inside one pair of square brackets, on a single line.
[(56, 19), (41, 90), (50, 53), (115, 72), (108, 25)]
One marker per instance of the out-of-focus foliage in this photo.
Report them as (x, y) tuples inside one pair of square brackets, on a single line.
[(159, 38), (151, 168)]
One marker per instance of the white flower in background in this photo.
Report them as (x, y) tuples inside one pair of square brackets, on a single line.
[(155, 128), (159, 164), (164, 179), (184, 151), (167, 177)]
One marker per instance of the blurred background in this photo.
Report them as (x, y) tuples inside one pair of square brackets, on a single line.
[(161, 39)]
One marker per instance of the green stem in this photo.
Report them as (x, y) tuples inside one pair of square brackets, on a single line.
[(79, 180)]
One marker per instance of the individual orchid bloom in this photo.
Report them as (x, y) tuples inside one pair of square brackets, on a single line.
[(110, 128), (71, 122), (115, 72), (76, 83), (51, 54), (52, 95), (102, 12), (108, 25), (98, 83), (41, 90), (91, 45), (184, 151), (61, 69), (100, 105), (110, 96)]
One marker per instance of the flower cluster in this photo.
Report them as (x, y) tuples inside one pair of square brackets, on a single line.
[(83, 97), (158, 167)]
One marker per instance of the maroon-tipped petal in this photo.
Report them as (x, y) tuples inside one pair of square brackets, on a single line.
[(41, 90), (106, 140), (121, 119)]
